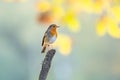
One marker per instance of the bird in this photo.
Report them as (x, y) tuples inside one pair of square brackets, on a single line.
[(49, 37)]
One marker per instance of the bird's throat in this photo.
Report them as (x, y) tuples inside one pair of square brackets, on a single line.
[(53, 32)]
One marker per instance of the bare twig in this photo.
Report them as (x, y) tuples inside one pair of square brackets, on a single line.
[(46, 64)]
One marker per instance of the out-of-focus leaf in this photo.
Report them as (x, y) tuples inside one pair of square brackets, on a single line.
[(43, 6), (45, 17), (113, 29), (74, 25), (74, 5), (116, 2), (58, 2), (107, 24), (72, 22), (101, 28), (86, 5), (116, 12), (58, 12), (98, 6), (64, 44), (102, 25)]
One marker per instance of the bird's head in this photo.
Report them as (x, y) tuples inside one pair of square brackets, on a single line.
[(53, 26)]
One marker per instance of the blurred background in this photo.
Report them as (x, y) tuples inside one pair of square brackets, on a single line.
[(88, 44)]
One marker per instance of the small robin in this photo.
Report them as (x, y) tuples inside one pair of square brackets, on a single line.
[(50, 37)]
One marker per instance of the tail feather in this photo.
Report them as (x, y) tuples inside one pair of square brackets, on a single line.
[(43, 49)]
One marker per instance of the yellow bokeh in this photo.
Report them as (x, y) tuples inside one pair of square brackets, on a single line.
[(101, 28), (74, 5), (107, 24), (74, 25), (64, 44), (57, 2), (71, 21), (86, 5), (116, 12), (102, 25), (67, 13), (116, 2), (58, 12), (98, 6), (113, 29), (43, 6)]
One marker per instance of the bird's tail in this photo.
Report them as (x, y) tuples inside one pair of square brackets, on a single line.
[(43, 49)]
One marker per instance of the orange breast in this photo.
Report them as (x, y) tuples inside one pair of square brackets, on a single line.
[(53, 31)]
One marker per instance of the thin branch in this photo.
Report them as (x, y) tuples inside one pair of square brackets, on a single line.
[(46, 64)]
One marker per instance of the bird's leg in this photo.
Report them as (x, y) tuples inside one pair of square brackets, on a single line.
[(49, 47)]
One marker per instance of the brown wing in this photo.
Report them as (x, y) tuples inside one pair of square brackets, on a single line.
[(43, 40)]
